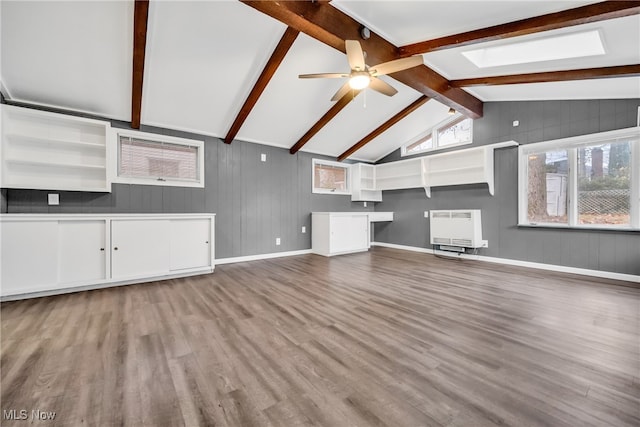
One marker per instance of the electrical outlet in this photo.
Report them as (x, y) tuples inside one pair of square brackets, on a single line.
[(263, 157), (53, 199), (516, 123), (426, 214), (365, 204), (304, 229), (277, 241), (485, 243)]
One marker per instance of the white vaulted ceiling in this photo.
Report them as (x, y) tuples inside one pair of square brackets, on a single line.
[(203, 58)]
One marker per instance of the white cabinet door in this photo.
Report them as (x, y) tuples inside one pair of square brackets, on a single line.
[(340, 234), (82, 251), (190, 243), (28, 256), (359, 235), (139, 248), (349, 233)]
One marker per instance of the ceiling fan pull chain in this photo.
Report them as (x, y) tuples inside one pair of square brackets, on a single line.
[(365, 98)]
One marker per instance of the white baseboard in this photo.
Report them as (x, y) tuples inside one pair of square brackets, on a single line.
[(261, 256), (529, 264), (36, 293)]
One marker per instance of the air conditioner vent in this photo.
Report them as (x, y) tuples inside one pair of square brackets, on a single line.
[(460, 228), (461, 242), (441, 241), (461, 215), (440, 214)]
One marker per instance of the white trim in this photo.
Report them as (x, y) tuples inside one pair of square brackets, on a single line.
[(571, 146), (259, 257), (518, 263), (345, 166), (114, 148), (434, 131)]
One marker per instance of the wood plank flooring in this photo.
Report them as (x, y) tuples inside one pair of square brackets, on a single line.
[(385, 338)]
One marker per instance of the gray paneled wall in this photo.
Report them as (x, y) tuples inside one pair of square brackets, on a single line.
[(615, 251), (254, 201), (3, 200)]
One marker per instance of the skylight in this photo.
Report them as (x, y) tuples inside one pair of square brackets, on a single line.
[(565, 46)]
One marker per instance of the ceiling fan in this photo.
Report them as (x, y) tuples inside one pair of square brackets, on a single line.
[(363, 76)]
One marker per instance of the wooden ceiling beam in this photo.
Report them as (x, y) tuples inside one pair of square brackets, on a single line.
[(140, 19), (333, 111), (552, 21), (385, 126), (327, 24), (269, 70), (552, 76)]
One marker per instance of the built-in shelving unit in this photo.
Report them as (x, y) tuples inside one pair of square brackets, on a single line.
[(49, 151), (398, 175), (469, 166), (363, 183)]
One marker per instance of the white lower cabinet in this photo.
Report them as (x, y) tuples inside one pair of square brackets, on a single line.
[(29, 254), (48, 253), (336, 233), (139, 248), (82, 251), (190, 243)]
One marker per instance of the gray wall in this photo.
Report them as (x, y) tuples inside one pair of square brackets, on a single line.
[(254, 201), (616, 251)]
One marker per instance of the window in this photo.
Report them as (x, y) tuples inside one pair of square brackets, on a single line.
[(587, 181), (450, 133), (330, 177), (159, 160)]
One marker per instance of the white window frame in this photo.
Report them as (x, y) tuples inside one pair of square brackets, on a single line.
[(115, 153), (572, 145), (433, 132), (334, 164)]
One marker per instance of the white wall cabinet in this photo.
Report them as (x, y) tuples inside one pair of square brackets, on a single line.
[(337, 233), (47, 254), (49, 151), (468, 166), (363, 183)]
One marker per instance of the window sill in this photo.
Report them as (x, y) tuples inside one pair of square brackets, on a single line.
[(335, 193), (165, 183), (580, 228)]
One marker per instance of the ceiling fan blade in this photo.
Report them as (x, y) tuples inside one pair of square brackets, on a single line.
[(323, 76), (344, 89), (382, 87), (355, 55), (396, 65)]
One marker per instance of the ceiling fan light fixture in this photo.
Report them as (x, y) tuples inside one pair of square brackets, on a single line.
[(359, 81)]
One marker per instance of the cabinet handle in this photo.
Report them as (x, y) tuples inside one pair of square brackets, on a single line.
[(115, 249), (207, 242), (102, 249)]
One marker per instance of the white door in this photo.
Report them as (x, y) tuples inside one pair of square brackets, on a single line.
[(190, 243), (340, 234), (82, 251), (28, 256), (359, 232), (139, 248)]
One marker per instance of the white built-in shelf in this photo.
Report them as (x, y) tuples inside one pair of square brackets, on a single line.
[(363, 183), (460, 167), (44, 163), (50, 151), (43, 140)]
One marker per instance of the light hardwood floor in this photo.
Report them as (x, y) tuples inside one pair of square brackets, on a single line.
[(385, 338)]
